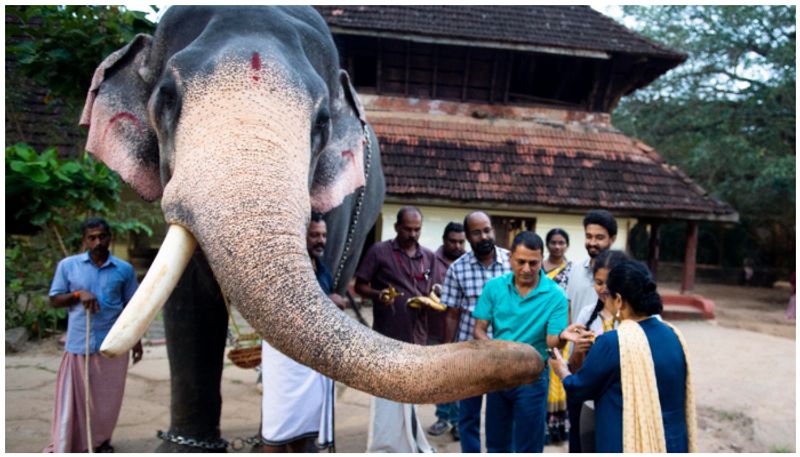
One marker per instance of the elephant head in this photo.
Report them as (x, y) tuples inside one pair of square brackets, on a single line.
[(241, 120)]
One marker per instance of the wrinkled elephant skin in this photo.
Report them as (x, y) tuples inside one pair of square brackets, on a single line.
[(242, 121)]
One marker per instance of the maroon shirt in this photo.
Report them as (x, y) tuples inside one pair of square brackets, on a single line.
[(436, 319), (386, 264)]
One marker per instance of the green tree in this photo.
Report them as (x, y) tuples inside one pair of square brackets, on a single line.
[(727, 115), (58, 47)]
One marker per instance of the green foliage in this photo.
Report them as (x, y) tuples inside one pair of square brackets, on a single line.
[(54, 195), (58, 47), (42, 186), (727, 115), (29, 270)]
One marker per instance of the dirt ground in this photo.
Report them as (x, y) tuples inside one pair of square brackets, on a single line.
[(743, 365), (756, 309)]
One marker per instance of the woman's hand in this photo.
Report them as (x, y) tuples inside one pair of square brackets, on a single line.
[(573, 332), (584, 342), (558, 364)]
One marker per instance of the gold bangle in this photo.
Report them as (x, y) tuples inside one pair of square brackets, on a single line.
[(76, 295)]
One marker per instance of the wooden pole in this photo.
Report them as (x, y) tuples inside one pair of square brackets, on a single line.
[(690, 259), (652, 255), (86, 390)]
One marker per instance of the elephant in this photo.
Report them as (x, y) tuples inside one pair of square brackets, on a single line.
[(242, 122)]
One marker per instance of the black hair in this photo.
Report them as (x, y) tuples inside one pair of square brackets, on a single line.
[(453, 227), (528, 239), (316, 217), (602, 218), (94, 222), (634, 283), (554, 232), (607, 259), (407, 209), (466, 218)]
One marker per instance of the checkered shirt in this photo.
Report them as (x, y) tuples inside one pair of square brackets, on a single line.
[(464, 282)]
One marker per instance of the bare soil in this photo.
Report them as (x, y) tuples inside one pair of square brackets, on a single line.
[(757, 309), (743, 366)]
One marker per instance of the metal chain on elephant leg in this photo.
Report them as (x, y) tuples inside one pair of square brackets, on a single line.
[(214, 445), (239, 442), (356, 210)]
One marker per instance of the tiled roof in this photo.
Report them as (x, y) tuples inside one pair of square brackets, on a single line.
[(566, 26), (519, 163)]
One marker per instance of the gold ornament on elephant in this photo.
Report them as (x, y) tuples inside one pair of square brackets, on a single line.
[(431, 301)]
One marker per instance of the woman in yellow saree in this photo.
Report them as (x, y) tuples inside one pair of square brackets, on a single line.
[(557, 268)]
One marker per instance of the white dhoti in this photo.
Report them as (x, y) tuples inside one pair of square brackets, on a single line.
[(395, 427), (297, 401)]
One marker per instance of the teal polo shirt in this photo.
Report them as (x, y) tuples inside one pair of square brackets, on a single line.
[(527, 319)]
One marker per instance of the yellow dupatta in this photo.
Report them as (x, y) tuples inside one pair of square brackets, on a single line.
[(555, 271), (642, 424)]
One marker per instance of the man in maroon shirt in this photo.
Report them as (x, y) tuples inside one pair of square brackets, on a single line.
[(404, 266), (407, 267)]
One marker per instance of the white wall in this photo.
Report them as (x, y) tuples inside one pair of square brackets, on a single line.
[(435, 218)]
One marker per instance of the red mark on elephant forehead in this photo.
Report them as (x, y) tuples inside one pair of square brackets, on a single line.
[(348, 154), (255, 63)]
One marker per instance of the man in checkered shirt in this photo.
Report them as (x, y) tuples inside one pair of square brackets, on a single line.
[(462, 287)]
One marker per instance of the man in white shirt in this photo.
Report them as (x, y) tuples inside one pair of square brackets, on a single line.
[(600, 231)]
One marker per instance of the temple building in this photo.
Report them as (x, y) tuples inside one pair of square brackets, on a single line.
[(508, 109)]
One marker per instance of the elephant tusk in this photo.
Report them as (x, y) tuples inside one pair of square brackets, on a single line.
[(156, 287)]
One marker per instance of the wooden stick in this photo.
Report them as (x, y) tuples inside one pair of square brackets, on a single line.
[(86, 385)]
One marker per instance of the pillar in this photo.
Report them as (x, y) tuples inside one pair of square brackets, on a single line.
[(652, 253), (690, 258)]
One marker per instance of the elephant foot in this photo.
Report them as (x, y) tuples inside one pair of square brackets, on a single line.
[(176, 443)]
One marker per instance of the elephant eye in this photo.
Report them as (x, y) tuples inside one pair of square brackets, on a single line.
[(167, 96), (321, 130), (323, 118), (166, 102)]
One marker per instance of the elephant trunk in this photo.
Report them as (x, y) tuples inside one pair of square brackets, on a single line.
[(240, 186)]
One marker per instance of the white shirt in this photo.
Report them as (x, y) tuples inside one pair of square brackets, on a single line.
[(580, 289)]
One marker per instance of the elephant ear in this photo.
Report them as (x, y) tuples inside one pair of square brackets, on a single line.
[(116, 114), (351, 96), (340, 168)]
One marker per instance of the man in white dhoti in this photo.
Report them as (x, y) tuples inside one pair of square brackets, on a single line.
[(297, 405)]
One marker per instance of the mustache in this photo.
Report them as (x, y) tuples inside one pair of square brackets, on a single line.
[(318, 246)]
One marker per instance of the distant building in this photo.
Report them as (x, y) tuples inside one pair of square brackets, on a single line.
[(508, 109)]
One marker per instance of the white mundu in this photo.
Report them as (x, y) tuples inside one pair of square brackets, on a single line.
[(392, 428), (295, 398)]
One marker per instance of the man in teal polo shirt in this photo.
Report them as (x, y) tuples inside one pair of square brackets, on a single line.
[(527, 307)]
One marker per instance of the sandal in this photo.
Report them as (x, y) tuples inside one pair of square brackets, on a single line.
[(105, 447)]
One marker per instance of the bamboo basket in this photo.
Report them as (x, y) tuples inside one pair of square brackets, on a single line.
[(246, 356)]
